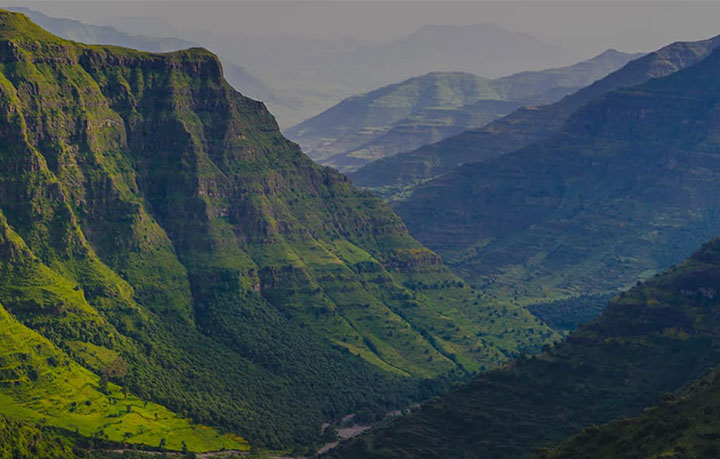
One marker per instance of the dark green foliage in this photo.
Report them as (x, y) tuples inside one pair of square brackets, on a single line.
[(567, 314), (21, 440), (681, 425), (649, 341)]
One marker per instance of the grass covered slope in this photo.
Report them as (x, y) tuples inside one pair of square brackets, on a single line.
[(422, 110), (626, 188), (161, 232), (398, 174), (651, 340)]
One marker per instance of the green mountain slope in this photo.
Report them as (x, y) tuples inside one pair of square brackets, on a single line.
[(426, 109), (521, 128), (681, 425), (160, 230), (41, 384), (625, 189), (651, 340)]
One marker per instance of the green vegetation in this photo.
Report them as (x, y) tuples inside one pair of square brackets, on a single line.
[(288, 108), (681, 425), (521, 128), (164, 238), (20, 439), (418, 111), (568, 313), (649, 341)]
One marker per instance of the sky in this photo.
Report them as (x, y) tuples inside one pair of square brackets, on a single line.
[(584, 26)]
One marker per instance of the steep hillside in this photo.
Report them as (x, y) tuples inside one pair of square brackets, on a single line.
[(681, 425), (649, 341), (426, 109), (159, 230), (521, 128), (18, 439), (625, 189)]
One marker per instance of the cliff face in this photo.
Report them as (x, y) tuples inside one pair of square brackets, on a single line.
[(164, 218)]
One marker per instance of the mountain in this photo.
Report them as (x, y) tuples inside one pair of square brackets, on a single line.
[(356, 126), (649, 341), (681, 425), (521, 128), (159, 233), (285, 107), (626, 188), (426, 109), (483, 49)]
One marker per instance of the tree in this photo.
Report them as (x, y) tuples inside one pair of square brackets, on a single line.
[(103, 383)]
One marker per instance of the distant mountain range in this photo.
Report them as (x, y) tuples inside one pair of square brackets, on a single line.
[(425, 109), (521, 128), (397, 117), (627, 186), (649, 342)]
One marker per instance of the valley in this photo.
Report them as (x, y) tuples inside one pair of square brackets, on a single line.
[(522, 260)]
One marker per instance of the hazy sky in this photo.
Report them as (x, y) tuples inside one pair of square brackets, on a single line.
[(583, 26)]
